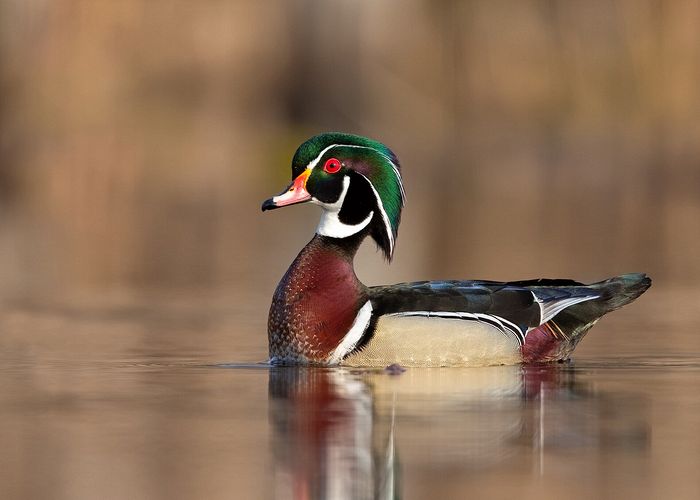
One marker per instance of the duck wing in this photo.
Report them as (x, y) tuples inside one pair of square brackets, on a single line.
[(441, 323), (515, 306)]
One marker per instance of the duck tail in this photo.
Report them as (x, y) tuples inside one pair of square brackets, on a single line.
[(557, 338), (619, 291), (613, 293)]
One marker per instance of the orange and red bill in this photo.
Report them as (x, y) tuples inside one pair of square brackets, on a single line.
[(295, 193)]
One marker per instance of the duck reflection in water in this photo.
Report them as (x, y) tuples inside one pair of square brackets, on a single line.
[(336, 432)]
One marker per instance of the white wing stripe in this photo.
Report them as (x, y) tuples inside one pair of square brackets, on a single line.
[(550, 309)]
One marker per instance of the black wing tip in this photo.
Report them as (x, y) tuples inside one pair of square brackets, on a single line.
[(630, 282), (637, 279), (636, 284), (623, 289)]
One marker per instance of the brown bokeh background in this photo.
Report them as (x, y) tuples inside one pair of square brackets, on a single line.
[(537, 138), (138, 139)]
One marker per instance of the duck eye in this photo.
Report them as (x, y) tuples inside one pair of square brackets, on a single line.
[(332, 165)]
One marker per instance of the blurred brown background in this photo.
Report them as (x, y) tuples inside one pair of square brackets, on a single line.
[(537, 138), (138, 139)]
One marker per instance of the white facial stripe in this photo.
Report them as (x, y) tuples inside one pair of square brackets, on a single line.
[(354, 334), (385, 217), (315, 161), (330, 224), (398, 176), (312, 164)]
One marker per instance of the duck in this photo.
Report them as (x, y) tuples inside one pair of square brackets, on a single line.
[(321, 314)]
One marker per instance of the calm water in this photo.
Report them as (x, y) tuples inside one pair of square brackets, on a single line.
[(151, 397)]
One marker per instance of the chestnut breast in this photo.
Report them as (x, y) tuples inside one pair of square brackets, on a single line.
[(315, 304)]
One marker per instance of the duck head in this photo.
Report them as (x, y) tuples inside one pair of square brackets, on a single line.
[(355, 180)]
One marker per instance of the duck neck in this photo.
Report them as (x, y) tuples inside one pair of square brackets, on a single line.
[(345, 248), (317, 300)]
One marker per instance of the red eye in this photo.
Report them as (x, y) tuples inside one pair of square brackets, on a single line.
[(332, 165)]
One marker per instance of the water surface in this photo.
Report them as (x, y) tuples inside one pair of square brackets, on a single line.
[(164, 398)]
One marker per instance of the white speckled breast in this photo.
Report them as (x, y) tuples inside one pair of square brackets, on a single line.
[(419, 341)]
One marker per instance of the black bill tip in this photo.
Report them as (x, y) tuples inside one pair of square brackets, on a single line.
[(268, 205)]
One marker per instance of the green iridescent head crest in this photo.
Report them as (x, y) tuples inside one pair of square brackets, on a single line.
[(373, 161)]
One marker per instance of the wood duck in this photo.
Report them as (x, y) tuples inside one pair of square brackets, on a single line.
[(322, 314)]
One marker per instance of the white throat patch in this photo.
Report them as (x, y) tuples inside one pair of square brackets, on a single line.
[(330, 224)]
